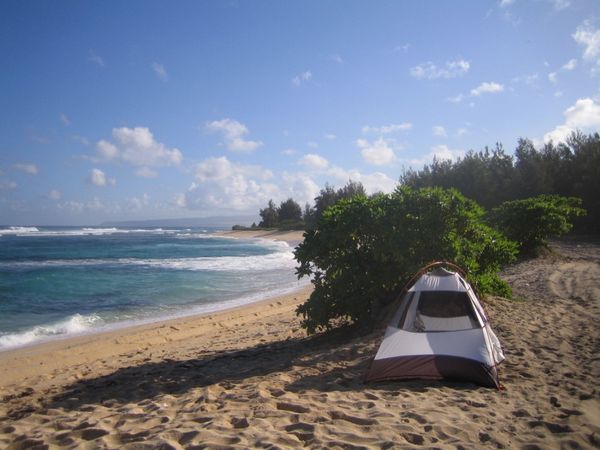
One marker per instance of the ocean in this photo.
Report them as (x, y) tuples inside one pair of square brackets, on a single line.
[(65, 281)]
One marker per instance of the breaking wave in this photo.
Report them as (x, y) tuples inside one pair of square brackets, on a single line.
[(72, 326)]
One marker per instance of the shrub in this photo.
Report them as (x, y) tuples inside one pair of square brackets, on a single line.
[(531, 221), (364, 250)]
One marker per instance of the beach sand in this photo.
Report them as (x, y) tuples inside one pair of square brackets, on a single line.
[(250, 378)]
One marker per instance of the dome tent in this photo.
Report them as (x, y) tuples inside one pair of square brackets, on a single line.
[(439, 331)]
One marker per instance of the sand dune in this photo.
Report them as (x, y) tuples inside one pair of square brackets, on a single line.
[(249, 378)]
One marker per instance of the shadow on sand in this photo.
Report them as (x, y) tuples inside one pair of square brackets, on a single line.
[(339, 360)]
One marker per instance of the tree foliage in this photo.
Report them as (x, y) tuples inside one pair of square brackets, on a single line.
[(530, 222), (269, 215), (365, 249), (491, 177)]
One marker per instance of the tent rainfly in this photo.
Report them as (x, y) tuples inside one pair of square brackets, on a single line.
[(439, 331)]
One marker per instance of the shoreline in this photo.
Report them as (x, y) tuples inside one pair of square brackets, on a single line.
[(35, 353)]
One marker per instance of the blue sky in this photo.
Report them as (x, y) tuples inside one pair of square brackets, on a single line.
[(139, 110)]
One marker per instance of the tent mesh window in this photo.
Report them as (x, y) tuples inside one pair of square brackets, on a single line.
[(438, 311)]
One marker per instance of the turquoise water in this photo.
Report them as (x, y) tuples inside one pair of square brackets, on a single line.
[(56, 282)]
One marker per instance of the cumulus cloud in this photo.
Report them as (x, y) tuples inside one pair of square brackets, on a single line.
[(160, 71), (138, 147), (487, 88), (588, 37), (221, 184), (583, 115), (552, 77), (440, 131), (314, 161), (451, 69), (387, 129), (301, 78), (440, 152), (233, 135), (377, 153), (98, 178), (30, 169)]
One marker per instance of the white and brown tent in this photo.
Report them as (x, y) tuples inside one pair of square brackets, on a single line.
[(439, 331)]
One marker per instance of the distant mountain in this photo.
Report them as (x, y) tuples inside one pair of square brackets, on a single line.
[(192, 222)]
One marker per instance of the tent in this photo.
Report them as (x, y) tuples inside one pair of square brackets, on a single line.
[(439, 331)]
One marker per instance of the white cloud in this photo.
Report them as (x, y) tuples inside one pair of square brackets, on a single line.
[(65, 120), (570, 65), (583, 115), (30, 169), (221, 169), (98, 178), (487, 88), (505, 3), (387, 129), (373, 182), (377, 153), (314, 161), (289, 152), (440, 131), (222, 185), (588, 37), (440, 152), (451, 69), (233, 132), (146, 172), (137, 146), (160, 71), (304, 77), (54, 194), (330, 136), (456, 99), (552, 77), (93, 57)]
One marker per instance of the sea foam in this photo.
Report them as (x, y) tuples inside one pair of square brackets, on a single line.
[(72, 326)]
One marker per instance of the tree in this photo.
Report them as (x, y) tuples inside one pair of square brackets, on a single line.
[(531, 221), (269, 216), (365, 249), (289, 211)]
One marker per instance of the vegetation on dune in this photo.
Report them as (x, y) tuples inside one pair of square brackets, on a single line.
[(531, 221), (365, 249), (359, 251)]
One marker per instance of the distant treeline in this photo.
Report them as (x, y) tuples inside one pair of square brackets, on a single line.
[(490, 177)]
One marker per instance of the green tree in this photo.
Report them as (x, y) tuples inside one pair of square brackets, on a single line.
[(364, 250), (270, 217), (531, 221)]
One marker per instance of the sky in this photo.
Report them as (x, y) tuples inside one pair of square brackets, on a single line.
[(146, 110)]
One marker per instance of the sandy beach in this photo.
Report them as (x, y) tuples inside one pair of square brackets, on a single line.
[(250, 378)]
